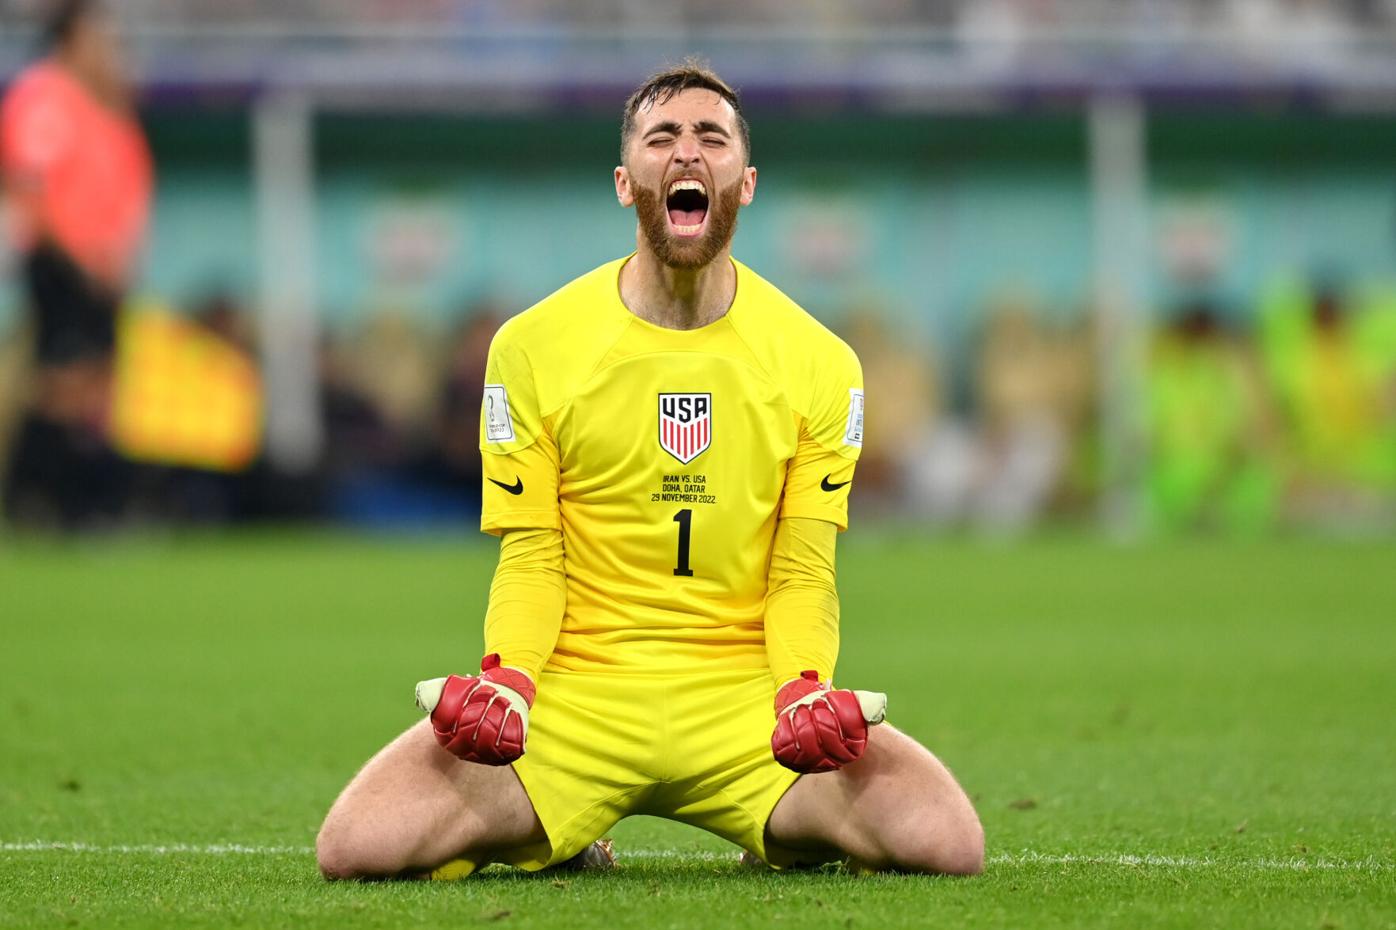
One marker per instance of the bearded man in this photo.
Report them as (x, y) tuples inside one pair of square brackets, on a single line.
[(668, 447)]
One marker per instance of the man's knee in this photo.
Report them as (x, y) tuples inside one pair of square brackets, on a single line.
[(344, 854), (356, 845), (953, 846), (335, 855), (934, 828)]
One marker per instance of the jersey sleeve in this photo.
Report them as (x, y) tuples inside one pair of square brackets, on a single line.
[(519, 455), (527, 599), (819, 476), (802, 603)]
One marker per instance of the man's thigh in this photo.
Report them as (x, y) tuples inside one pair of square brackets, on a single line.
[(415, 806), (896, 807)]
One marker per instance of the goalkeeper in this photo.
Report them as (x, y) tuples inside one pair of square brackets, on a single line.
[(668, 446)]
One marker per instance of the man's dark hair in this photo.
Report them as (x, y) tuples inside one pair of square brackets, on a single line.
[(64, 18), (662, 86)]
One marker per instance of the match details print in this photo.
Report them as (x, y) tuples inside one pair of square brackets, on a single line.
[(683, 489)]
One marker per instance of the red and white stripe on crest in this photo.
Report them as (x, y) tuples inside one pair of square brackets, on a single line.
[(685, 442)]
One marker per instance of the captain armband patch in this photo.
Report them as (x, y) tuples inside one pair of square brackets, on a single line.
[(499, 423), (853, 435)]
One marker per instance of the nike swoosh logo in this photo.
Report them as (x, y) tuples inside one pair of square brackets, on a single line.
[(516, 488), (827, 485)]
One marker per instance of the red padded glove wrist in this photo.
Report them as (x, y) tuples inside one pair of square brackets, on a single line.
[(796, 688), (491, 670)]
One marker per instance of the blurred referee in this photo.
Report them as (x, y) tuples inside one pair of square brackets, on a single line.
[(77, 179)]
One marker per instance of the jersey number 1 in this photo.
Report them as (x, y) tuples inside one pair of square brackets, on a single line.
[(684, 518)]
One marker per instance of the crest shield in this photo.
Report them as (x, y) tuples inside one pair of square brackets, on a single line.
[(685, 425)]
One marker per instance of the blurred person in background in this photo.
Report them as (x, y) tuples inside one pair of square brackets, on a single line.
[(1001, 466), (449, 466), (1210, 461), (395, 360), (402, 450), (205, 488), (402, 419), (224, 315), (1033, 382), (1331, 359), (362, 446), (897, 434), (77, 180)]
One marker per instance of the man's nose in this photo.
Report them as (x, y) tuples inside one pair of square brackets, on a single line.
[(686, 151)]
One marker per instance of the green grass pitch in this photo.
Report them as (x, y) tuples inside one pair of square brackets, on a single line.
[(1177, 734)]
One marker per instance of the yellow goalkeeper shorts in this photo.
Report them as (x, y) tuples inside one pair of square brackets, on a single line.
[(695, 748)]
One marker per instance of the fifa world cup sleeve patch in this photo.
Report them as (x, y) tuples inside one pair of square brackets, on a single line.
[(853, 433), (499, 422)]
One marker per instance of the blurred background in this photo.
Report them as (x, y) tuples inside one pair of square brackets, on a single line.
[(1124, 264)]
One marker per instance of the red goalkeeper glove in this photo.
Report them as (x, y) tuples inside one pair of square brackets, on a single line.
[(820, 730), (480, 718)]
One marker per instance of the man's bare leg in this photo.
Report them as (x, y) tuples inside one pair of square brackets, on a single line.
[(415, 806), (897, 807)]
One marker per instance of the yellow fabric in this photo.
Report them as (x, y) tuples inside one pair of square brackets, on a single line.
[(802, 604), (183, 395), (529, 594), (699, 753), (571, 421), (526, 599), (454, 870)]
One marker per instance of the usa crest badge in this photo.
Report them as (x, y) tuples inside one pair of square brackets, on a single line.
[(685, 425)]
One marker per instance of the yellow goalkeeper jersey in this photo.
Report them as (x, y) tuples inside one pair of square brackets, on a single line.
[(666, 457)]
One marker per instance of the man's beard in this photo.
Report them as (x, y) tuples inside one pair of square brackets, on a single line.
[(683, 253)]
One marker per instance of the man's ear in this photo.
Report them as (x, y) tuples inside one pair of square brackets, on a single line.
[(748, 184), (623, 192)]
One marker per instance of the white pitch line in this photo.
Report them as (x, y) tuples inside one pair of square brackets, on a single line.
[(1197, 862), (1026, 857), (151, 849), (1120, 860)]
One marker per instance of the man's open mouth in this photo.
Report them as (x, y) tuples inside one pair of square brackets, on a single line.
[(687, 205)]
